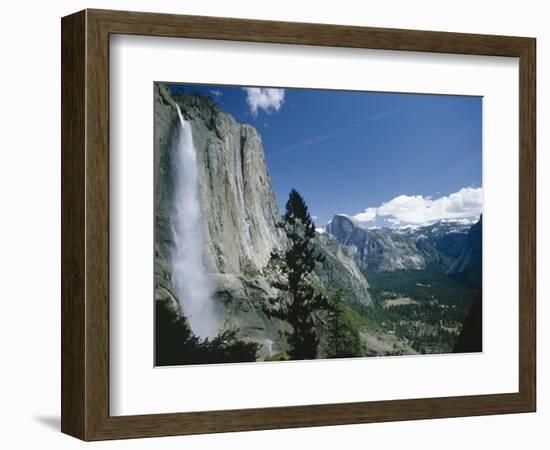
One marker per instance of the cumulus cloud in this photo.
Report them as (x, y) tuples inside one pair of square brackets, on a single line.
[(420, 210), (367, 215), (268, 99)]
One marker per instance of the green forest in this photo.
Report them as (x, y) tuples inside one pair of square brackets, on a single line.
[(431, 318)]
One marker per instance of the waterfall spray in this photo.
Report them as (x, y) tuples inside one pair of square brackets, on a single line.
[(190, 278)]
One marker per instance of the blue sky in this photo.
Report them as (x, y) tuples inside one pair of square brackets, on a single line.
[(384, 158)]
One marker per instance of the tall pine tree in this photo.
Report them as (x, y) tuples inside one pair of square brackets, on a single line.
[(297, 302)]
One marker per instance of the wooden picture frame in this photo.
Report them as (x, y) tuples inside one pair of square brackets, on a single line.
[(85, 224)]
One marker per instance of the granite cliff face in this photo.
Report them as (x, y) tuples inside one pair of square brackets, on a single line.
[(339, 269), (386, 250), (239, 209), (350, 233), (240, 213)]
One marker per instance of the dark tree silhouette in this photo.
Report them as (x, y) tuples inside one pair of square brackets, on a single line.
[(470, 339), (175, 343), (297, 301)]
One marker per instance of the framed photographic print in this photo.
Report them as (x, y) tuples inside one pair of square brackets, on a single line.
[(270, 224)]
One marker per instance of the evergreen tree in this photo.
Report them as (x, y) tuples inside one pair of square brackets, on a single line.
[(297, 302), (343, 335)]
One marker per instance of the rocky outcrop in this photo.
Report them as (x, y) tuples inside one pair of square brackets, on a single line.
[(339, 270), (349, 232), (388, 251)]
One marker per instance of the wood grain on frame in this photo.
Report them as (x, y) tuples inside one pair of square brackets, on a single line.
[(73, 109), (85, 224)]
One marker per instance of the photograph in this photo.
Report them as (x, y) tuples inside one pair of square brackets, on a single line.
[(299, 224)]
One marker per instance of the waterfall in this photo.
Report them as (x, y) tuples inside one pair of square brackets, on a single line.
[(191, 280)]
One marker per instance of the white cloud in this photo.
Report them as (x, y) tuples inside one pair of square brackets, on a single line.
[(366, 216), (216, 93), (268, 99), (420, 210)]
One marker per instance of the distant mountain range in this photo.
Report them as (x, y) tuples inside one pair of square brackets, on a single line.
[(453, 246)]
